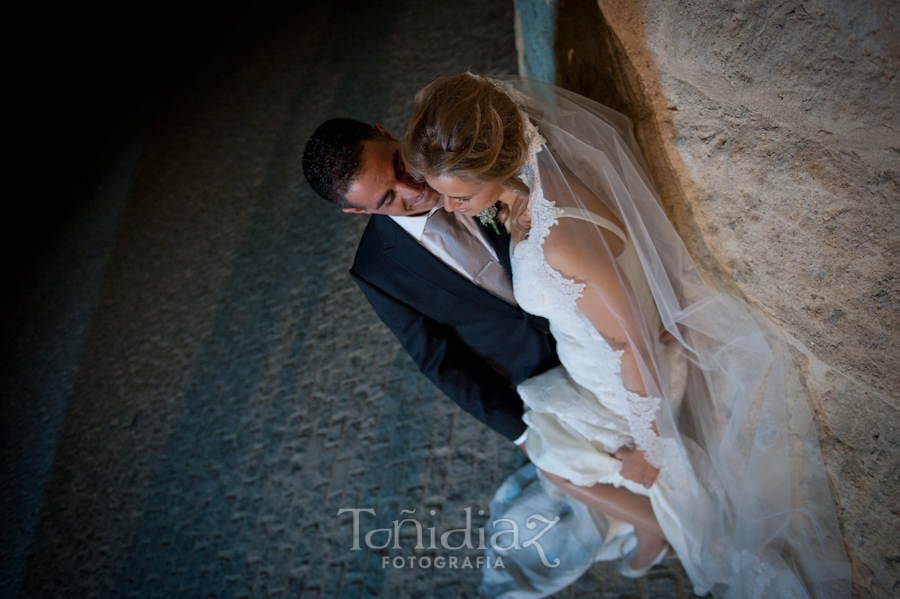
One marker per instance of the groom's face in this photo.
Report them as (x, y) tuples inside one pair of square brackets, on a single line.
[(382, 185)]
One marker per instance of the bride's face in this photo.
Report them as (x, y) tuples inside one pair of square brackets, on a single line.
[(466, 197)]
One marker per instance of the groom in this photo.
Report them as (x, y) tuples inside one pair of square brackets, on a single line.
[(461, 327)]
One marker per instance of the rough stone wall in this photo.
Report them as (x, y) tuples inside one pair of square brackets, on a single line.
[(773, 133)]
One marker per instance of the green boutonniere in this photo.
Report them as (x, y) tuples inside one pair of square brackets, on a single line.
[(488, 216)]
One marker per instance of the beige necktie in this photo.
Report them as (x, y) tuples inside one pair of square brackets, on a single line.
[(470, 253)]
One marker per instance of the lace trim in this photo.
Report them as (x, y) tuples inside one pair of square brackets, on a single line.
[(641, 411), (640, 415), (515, 95), (762, 575), (544, 214)]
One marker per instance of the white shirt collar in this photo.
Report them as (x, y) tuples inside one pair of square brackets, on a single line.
[(415, 225)]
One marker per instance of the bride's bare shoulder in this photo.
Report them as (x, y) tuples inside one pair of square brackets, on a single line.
[(582, 251), (583, 205)]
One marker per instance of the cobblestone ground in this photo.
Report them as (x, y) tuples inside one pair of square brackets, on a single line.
[(228, 388)]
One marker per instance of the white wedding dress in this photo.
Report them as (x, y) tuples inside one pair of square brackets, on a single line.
[(740, 491)]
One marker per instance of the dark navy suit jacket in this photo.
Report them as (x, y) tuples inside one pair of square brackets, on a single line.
[(473, 345)]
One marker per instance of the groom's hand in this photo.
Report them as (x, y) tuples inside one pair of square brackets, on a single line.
[(635, 467)]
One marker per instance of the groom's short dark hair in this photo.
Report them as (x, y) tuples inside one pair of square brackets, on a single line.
[(331, 157)]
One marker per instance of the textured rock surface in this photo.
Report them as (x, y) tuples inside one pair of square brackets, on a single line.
[(774, 136)]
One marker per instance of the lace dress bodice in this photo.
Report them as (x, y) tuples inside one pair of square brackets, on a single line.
[(617, 417)]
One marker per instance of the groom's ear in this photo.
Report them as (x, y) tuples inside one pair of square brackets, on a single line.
[(384, 132), (353, 210)]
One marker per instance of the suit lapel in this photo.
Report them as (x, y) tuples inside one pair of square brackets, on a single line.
[(401, 247), (500, 242)]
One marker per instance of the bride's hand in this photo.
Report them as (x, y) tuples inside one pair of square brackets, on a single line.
[(635, 467)]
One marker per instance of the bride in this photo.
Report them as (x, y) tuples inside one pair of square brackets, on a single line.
[(706, 431)]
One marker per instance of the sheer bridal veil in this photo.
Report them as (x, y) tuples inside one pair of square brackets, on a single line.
[(740, 441)]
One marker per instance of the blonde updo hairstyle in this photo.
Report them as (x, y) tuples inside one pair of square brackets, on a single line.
[(463, 126)]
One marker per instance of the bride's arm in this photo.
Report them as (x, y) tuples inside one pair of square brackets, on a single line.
[(581, 252), (584, 252)]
